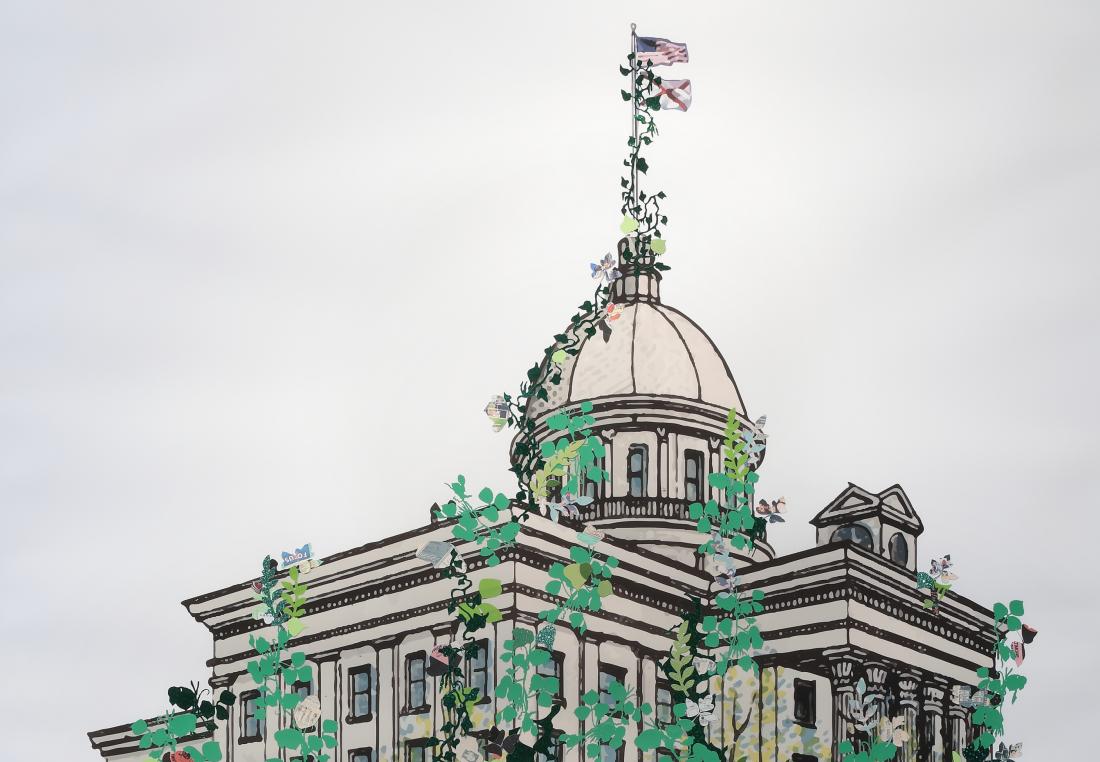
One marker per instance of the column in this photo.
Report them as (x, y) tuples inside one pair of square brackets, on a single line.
[(662, 464), (715, 468), (328, 691), (876, 674), (388, 701), (958, 726), (908, 686), (843, 670), (441, 636), (931, 722)]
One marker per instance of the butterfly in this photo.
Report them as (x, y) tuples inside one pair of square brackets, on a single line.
[(1009, 752), (307, 712), (605, 270), (893, 731), (569, 506), (964, 695), (612, 312), (940, 567), (591, 534), (497, 410), (772, 510), (300, 554), (753, 440), (703, 710)]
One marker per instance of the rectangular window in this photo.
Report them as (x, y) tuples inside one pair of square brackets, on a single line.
[(361, 755), (805, 702), (555, 754), (608, 675), (555, 668), (637, 461), (664, 702), (361, 690), (479, 671), (418, 751), (416, 686), (693, 475), (252, 727)]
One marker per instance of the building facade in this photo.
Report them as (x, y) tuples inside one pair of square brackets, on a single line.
[(842, 611)]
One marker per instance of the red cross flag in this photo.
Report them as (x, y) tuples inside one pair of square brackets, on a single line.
[(675, 94)]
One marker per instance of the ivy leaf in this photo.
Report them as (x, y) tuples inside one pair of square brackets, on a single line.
[(181, 724), (289, 738), (657, 245), (629, 224), (642, 165), (624, 93)]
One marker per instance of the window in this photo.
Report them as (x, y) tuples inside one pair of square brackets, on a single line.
[(554, 754), (608, 675), (693, 475), (860, 535), (637, 460), (899, 549), (252, 727), (361, 755), (805, 702), (416, 686), (555, 669), (479, 671), (418, 751), (664, 702), (303, 689), (361, 689)]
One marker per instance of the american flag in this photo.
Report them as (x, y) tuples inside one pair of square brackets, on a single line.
[(661, 52), (675, 93)]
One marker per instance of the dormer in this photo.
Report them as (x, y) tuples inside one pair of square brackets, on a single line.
[(881, 522)]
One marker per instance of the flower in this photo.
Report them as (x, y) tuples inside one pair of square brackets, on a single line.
[(613, 311), (893, 731), (497, 410)]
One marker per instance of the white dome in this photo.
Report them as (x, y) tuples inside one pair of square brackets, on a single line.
[(653, 350)]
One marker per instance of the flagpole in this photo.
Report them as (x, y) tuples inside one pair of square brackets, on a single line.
[(634, 119)]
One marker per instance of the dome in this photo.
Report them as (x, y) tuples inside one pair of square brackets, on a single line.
[(661, 396), (652, 350)]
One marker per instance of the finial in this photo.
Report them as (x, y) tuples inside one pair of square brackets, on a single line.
[(633, 26)]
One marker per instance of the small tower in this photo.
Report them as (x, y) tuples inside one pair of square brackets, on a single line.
[(883, 523)]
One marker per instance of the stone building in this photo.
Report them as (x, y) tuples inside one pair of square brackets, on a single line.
[(843, 610)]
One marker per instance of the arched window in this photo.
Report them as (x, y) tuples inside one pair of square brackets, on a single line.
[(637, 460), (899, 549), (693, 475), (860, 535)]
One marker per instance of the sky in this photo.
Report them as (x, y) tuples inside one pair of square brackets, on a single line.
[(263, 264)]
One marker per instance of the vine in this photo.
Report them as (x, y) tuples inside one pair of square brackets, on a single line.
[(281, 603)]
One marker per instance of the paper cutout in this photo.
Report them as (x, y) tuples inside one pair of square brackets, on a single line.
[(436, 553), (301, 554), (497, 410), (771, 511), (605, 270), (307, 712)]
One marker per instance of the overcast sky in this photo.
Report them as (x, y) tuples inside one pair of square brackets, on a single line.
[(262, 265)]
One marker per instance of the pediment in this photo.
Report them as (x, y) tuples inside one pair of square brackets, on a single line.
[(891, 505)]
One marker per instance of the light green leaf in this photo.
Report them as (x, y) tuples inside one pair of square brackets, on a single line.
[(628, 225), (489, 588)]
